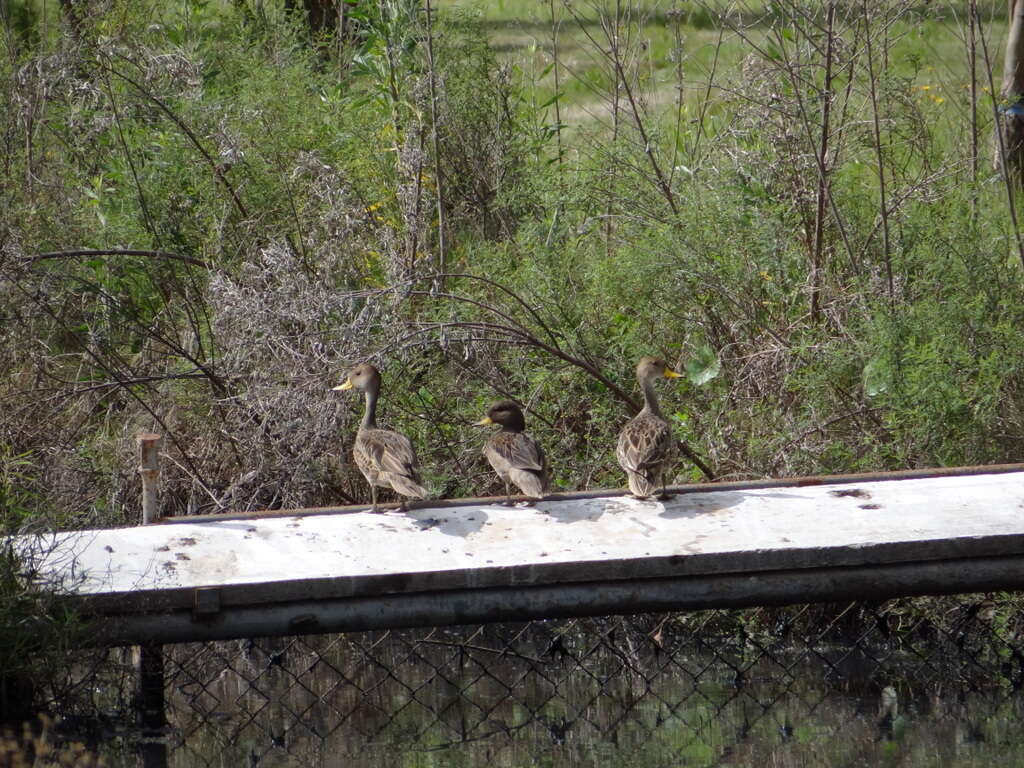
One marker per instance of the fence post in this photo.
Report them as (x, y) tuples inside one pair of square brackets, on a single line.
[(152, 716), (149, 469)]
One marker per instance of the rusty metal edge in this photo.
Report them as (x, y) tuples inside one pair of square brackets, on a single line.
[(476, 606)]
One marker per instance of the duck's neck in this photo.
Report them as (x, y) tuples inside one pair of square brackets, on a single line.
[(650, 398), (370, 413)]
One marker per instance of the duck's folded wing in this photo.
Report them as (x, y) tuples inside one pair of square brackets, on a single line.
[(513, 450), (393, 452), (644, 443), (526, 454)]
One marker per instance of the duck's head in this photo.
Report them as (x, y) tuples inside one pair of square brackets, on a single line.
[(363, 377), (650, 368), (506, 414)]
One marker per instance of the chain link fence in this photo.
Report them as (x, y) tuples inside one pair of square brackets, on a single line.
[(930, 681)]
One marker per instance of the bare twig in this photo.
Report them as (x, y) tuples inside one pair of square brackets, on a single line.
[(879, 155), (972, 57), (116, 375), (139, 191), (614, 56), (218, 171), (823, 170), (89, 252), (441, 264), (512, 329)]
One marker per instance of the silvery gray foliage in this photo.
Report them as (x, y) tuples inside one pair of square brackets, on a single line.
[(286, 333), (55, 77), (338, 218), (273, 323), (173, 71), (407, 254)]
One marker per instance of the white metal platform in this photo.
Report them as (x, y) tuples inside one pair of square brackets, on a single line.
[(708, 546)]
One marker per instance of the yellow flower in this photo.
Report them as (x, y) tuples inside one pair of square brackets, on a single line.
[(926, 87)]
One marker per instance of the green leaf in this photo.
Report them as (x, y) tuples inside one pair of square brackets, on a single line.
[(703, 366), (551, 101)]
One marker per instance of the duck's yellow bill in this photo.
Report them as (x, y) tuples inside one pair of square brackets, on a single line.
[(485, 421), (346, 385), (670, 374)]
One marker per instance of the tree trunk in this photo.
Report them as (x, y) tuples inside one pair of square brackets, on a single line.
[(321, 15), (1011, 123)]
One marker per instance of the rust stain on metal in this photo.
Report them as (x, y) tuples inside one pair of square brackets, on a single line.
[(855, 493)]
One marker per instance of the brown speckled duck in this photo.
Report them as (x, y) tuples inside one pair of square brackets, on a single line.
[(646, 447), (385, 457), (515, 455)]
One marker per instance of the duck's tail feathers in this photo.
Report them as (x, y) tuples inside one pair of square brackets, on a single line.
[(530, 483), (641, 485), (407, 486)]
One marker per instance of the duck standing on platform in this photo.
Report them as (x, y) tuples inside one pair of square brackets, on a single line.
[(385, 457), (646, 447), (515, 456)]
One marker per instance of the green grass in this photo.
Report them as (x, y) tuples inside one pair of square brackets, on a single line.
[(928, 54)]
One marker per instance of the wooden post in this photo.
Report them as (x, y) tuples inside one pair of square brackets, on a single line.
[(151, 689), (149, 468), (150, 700)]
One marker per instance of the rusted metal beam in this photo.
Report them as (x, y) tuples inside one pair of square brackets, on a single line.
[(457, 607)]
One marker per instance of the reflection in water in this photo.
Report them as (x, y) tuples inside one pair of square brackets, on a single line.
[(645, 691), (913, 682)]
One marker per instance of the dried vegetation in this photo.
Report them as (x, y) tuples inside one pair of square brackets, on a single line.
[(208, 219)]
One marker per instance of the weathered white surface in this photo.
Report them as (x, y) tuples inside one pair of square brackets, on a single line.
[(729, 531)]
